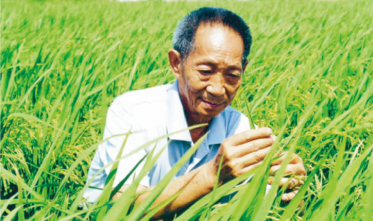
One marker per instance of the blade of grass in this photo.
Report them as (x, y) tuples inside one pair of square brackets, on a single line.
[(5, 203), (21, 212), (145, 204), (294, 203), (252, 125), (332, 193), (12, 214), (123, 205), (106, 193), (121, 183)]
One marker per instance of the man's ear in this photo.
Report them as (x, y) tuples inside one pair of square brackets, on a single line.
[(244, 66), (174, 58)]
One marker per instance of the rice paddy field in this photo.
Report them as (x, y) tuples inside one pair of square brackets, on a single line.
[(310, 78)]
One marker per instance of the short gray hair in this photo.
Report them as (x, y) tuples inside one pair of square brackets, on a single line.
[(184, 35)]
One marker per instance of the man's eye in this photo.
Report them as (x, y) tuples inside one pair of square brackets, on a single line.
[(205, 72), (233, 75)]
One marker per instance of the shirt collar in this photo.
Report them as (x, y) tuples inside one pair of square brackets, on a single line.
[(175, 115), (176, 120), (217, 130)]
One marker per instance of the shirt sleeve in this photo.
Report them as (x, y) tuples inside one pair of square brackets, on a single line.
[(118, 124)]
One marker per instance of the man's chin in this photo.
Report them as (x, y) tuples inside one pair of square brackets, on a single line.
[(210, 113)]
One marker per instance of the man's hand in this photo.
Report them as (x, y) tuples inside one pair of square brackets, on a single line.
[(293, 171), (247, 150), (241, 153)]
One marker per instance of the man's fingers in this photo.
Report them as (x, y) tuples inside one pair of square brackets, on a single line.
[(294, 159), (248, 136), (286, 197), (251, 167), (295, 165), (290, 182), (254, 146), (254, 157), (296, 169)]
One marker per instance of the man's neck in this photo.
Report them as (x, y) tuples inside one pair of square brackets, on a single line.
[(198, 133), (195, 120)]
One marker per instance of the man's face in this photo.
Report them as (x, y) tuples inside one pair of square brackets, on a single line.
[(211, 75)]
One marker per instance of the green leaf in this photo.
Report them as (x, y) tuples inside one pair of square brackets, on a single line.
[(21, 212), (106, 193)]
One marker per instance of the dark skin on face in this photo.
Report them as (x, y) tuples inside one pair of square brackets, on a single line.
[(210, 75)]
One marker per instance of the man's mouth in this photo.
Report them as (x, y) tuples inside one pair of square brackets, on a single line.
[(211, 104)]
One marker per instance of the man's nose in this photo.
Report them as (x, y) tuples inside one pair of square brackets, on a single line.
[(216, 85)]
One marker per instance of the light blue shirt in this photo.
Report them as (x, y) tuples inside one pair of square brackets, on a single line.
[(152, 113)]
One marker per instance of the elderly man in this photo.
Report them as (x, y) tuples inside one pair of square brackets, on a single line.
[(208, 61)]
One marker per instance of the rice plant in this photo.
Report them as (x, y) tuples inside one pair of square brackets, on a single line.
[(310, 78)]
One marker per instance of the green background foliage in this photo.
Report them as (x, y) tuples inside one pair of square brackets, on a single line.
[(310, 78)]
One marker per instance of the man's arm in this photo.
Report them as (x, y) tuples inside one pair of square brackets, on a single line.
[(241, 152), (194, 185)]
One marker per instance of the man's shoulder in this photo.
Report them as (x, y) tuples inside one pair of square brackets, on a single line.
[(143, 108), (145, 96), (234, 118)]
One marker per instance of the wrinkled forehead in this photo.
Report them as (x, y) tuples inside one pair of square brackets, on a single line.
[(218, 39), (217, 36)]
